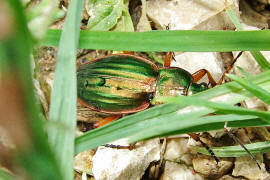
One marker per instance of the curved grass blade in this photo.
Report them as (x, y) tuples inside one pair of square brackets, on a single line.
[(64, 93), (170, 119), (191, 40), (220, 107), (261, 60), (237, 151), (252, 88), (256, 54)]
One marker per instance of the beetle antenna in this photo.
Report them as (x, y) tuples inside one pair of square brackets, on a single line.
[(173, 56), (236, 139), (229, 68), (210, 151)]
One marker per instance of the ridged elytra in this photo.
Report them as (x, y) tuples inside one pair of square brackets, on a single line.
[(123, 83)]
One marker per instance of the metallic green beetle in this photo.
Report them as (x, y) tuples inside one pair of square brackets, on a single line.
[(122, 83)]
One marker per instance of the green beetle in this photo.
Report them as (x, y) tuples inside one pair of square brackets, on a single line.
[(123, 83)]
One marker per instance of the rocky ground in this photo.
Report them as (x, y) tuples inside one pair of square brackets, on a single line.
[(176, 159)]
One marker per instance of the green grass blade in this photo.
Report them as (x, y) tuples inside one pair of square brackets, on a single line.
[(256, 54), (234, 19), (236, 151), (191, 118), (32, 153), (191, 40), (64, 93), (245, 73), (220, 107), (261, 60), (6, 176), (168, 119), (252, 88)]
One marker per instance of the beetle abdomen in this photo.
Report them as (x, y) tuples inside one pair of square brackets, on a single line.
[(117, 83)]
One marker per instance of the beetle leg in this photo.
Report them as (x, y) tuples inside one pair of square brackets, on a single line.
[(229, 68), (236, 139), (129, 147), (168, 59), (106, 120), (197, 138), (200, 73)]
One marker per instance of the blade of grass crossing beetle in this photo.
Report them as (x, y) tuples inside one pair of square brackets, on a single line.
[(256, 54), (185, 40), (141, 123), (213, 125), (203, 105), (236, 151), (64, 93), (164, 115), (224, 108), (199, 124), (252, 88), (196, 106)]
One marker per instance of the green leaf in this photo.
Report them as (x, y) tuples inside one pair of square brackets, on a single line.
[(125, 23), (236, 151), (171, 119), (41, 16), (252, 88), (64, 93), (256, 54), (104, 14), (191, 40)]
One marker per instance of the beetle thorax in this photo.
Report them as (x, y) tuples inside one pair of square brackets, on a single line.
[(172, 82)]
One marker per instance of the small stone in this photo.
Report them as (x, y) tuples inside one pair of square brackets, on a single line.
[(247, 167), (186, 14), (229, 177), (244, 135), (251, 17), (174, 171), (178, 150), (208, 167), (83, 162), (143, 24), (123, 164)]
